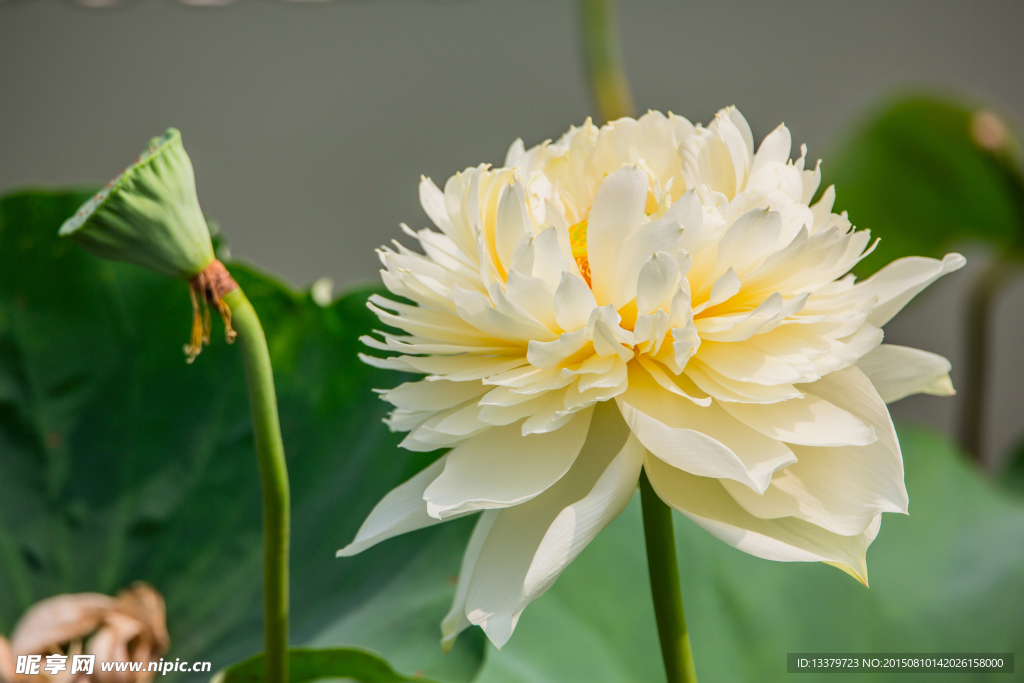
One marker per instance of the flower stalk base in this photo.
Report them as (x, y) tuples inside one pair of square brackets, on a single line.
[(664, 572), (274, 476)]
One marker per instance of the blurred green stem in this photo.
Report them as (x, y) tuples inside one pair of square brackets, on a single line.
[(274, 475), (980, 317), (668, 599), (604, 59)]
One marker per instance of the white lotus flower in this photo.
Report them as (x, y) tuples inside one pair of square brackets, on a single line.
[(647, 294)]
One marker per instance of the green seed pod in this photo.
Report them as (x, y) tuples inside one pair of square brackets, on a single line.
[(149, 214)]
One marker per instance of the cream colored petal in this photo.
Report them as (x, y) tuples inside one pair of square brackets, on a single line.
[(501, 467), (404, 344), (433, 395), (852, 391), (744, 362), (512, 222), (776, 147), (722, 388), (569, 346), (707, 503), (705, 441), (605, 377), (534, 296), (899, 371), (59, 619), (574, 303), (551, 261), (749, 241), (531, 544), (644, 242), (725, 286), (465, 368), (617, 211), (706, 160), (608, 337), (657, 283), (432, 200), (808, 421), (745, 151), (902, 280), (500, 415), (655, 143), (517, 377), (549, 416), (437, 430), (443, 251), (822, 209), (463, 422), (673, 384), (400, 511), (480, 312), (456, 621), (527, 326), (435, 326), (839, 489), (687, 211), (743, 326), (398, 265)]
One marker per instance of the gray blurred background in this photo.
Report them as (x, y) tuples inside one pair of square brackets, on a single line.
[(309, 124)]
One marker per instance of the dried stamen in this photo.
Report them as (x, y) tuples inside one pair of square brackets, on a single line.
[(206, 288)]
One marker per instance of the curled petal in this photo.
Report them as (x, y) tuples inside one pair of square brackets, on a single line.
[(705, 441), (500, 467), (401, 510), (899, 371), (786, 539), (529, 545)]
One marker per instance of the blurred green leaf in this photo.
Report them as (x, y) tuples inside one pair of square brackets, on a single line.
[(915, 174), (947, 578), (1012, 475), (309, 665), (120, 462)]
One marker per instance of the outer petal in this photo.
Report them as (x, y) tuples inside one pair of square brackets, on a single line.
[(839, 489), (400, 511), (899, 371), (809, 421), (433, 396), (531, 544), (708, 504), (902, 280), (500, 467), (456, 621), (705, 441)]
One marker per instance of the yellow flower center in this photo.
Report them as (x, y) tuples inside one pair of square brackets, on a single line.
[(578, 244)]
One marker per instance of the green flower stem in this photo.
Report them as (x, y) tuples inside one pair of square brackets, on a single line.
[(604, 59), (664, 572), (984, 296), (274, 475), (980, 321)]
